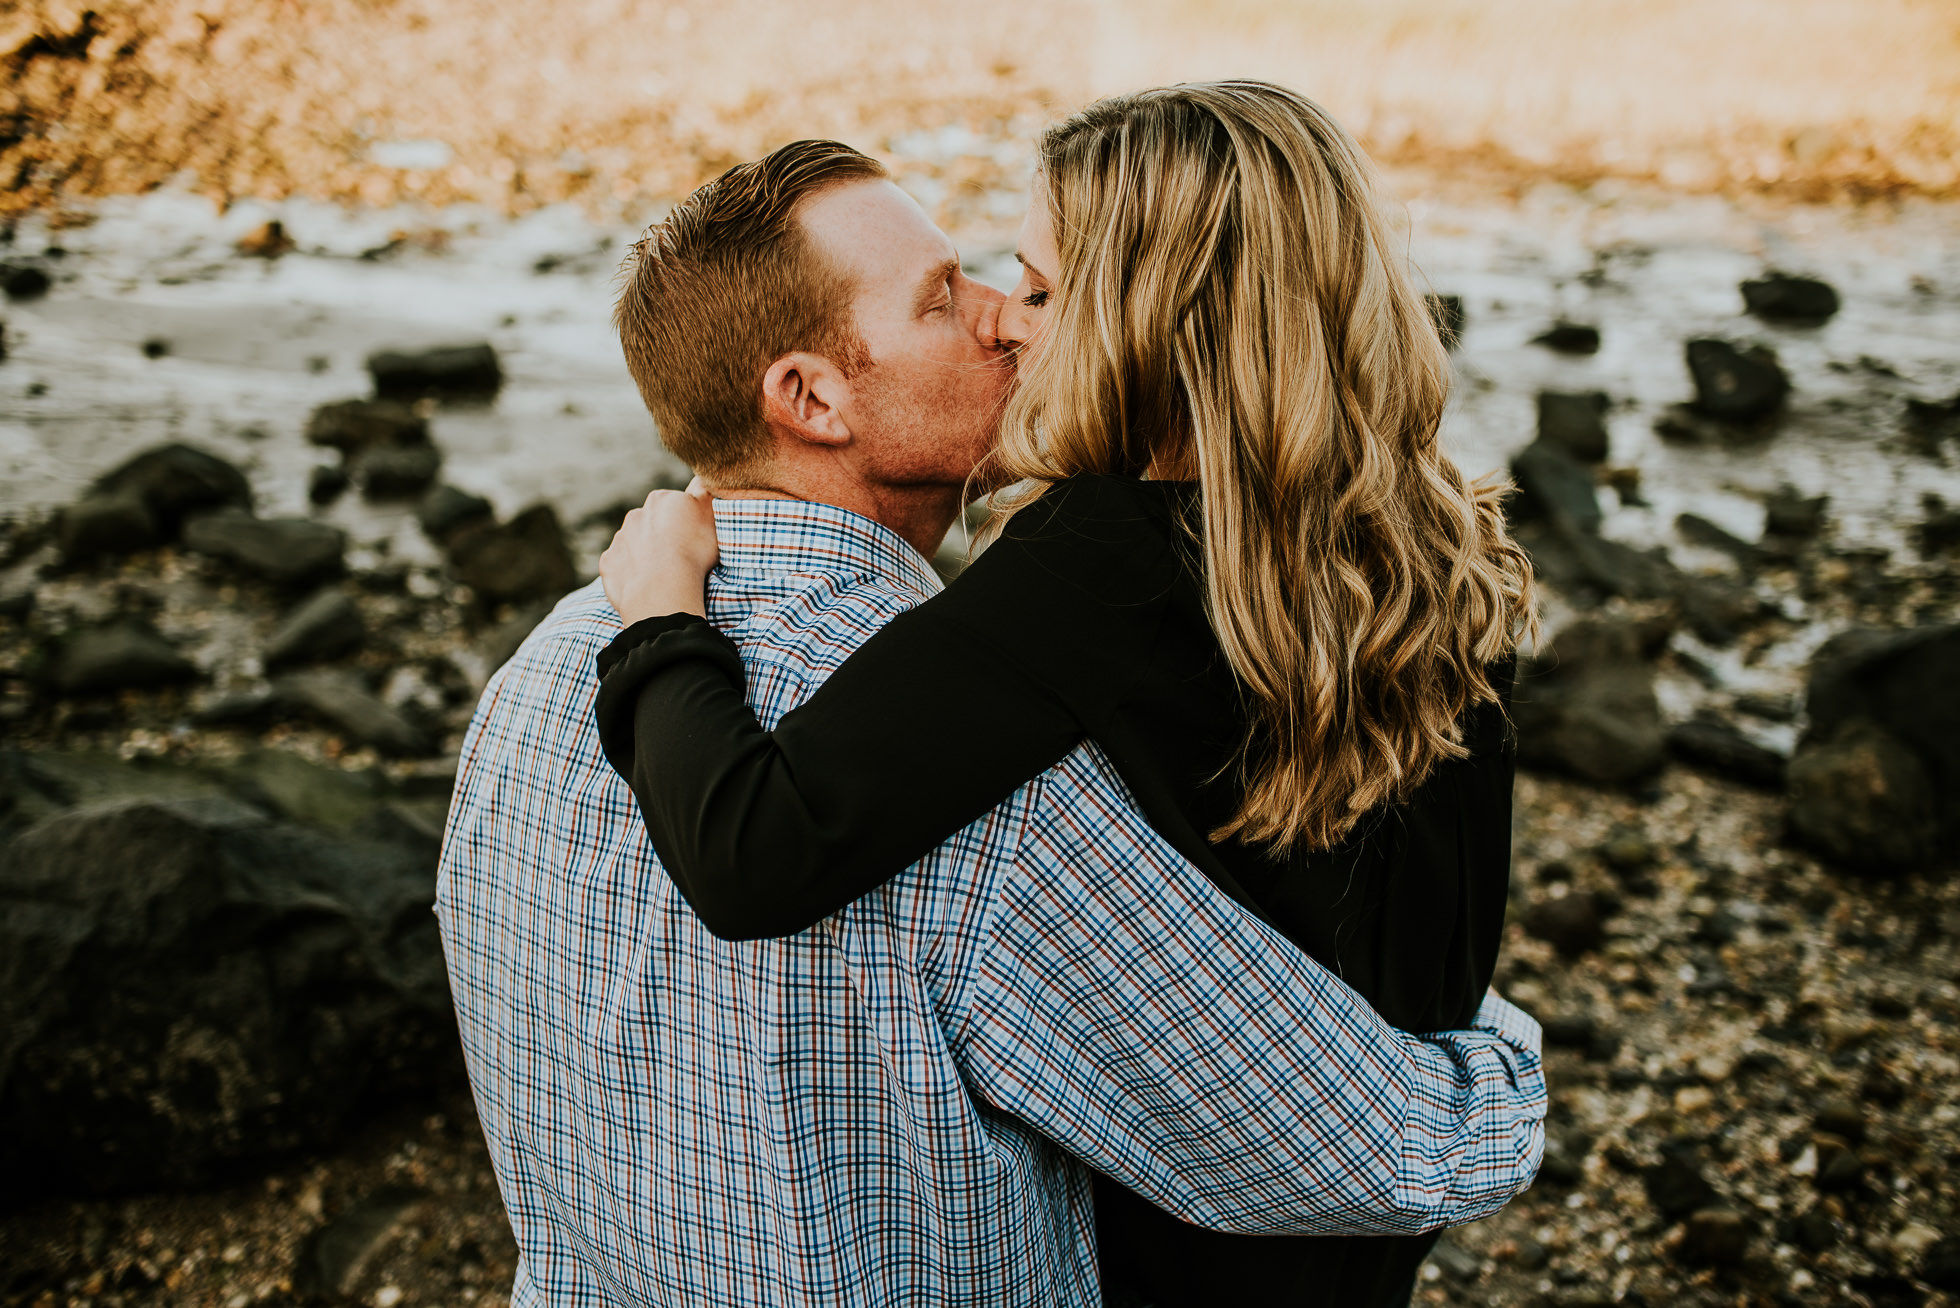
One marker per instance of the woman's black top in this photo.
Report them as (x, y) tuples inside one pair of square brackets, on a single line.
[(1085, 619)]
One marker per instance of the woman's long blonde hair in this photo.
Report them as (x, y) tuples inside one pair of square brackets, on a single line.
[(1232, 305)]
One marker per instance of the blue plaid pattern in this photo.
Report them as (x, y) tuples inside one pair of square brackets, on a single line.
[(900, 1105)]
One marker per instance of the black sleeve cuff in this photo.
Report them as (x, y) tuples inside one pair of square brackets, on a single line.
[(639, 654)]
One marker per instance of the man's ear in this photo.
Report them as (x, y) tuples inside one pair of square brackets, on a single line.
[(803, 396)]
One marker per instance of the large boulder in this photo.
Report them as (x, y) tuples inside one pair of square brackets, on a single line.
[(1735, 385), (189, 987), (451, 372), (525, 558), (142, 503), (1863, 799), (1876, 780), (1586, 706), (290, 551)]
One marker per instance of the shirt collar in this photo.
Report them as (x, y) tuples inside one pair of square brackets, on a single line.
[(803, 537)]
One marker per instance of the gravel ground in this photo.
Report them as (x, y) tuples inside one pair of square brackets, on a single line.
[(1783, 1033)]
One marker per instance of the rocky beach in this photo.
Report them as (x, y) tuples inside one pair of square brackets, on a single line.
[(280, 487)]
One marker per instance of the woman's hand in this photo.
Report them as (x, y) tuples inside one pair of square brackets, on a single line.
[(659, 558)]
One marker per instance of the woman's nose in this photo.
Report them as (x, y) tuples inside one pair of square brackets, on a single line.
[(982, 305)]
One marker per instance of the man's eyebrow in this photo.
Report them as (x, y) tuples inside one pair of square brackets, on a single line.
[(931, 284)]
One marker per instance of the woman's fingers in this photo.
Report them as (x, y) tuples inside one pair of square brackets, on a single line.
[(659, 558)]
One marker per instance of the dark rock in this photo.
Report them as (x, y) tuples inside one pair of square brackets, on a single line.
[(343, 702), (326, 483), (143, 502), (1940, 1268), (351, 426), (1628, 853), (325, 626), (291, 551), (1532, 1256), (1720, 748), (23, 281), (1697, 530), (1933, 421), (396, 471), (445, 509), (1734, 385), (1903, 683), (107, 524), (1717, 611), (456, 372), (1863, 799), (1939, 531), (1570, 1031), (1675, 1185), (1569, 338), (1575, 422), (1446, 311), (238, 708), (1456, 1262), (124, 653), (1556, 487), (1715, 1237), (1780, 297), (1571, 924), (1886, 1290), (1842, 1170), (1719, 928), (1584, 564), (1842, 1118), (1816, 1231), (155, 348), (1588, 707), (522, 559), (1770, 708), (1791, 514), (333, 1257), (19, 586), (173, 480), (188, 988)]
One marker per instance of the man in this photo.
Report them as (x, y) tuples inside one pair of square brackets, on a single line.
[(902, 1104)]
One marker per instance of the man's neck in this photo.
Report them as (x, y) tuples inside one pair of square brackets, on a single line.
[(920, 515)]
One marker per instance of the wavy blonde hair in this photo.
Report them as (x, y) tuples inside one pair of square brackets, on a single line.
[(1232, 305)]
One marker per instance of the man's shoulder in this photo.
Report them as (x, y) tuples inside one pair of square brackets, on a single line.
[(804, 620)]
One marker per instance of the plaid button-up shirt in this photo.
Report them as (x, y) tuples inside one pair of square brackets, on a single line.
[(901, 1105)]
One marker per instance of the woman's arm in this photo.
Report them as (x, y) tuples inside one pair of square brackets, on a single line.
[(765, 834), (931, 723)]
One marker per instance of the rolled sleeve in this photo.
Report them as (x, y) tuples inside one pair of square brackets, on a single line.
[(1135, 1015)]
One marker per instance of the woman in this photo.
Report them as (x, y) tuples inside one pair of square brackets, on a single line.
[(1237, 560)]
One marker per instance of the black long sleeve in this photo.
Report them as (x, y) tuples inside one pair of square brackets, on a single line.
[(925, 728)]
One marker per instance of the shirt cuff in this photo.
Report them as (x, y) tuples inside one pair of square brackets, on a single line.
[(1509, 1023)]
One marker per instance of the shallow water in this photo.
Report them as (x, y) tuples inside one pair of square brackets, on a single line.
[(252, 346)]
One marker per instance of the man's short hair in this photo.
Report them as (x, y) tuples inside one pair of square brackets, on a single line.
[(725, 285)]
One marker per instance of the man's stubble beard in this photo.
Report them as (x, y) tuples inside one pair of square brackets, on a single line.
[(921, 434)]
